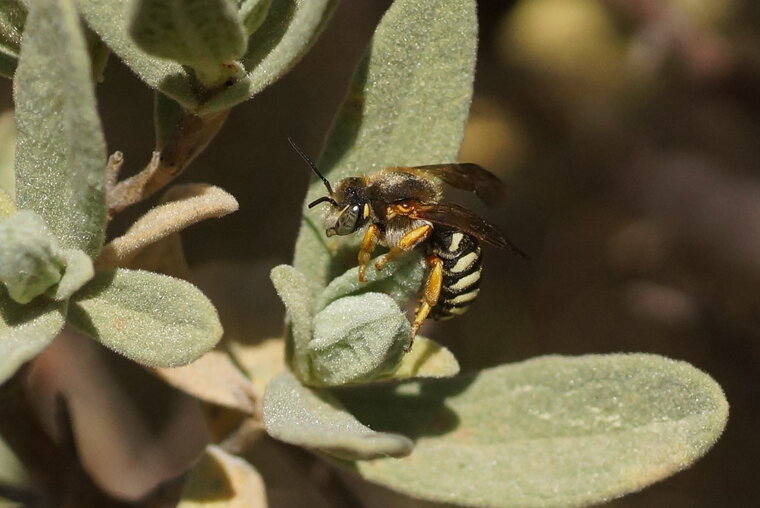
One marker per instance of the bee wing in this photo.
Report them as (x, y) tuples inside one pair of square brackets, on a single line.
[(455, 216), (469, 177)]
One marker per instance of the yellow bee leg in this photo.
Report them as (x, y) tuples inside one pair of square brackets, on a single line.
[(407, 243), (367, 246), (429, 296)]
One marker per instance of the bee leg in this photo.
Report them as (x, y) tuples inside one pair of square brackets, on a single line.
[(429, 296), (367, 246), (405, 244)]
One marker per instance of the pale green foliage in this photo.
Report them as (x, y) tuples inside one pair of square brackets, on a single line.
[(563, 431), (30, 258), (358, 338), (152, 319), (60, 154), (25, 330), (32, 262), (221, 480), (287, 32), (253, 13), (207, 35), (7, 154), (303, 416)]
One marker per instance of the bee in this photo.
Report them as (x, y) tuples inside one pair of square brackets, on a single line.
[(403, 209)]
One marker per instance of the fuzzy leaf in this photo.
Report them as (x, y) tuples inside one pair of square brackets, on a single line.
[(60, 156), (426, 359), (553, 431), (400, 279), (152, 319), (78, 272), (253, 13), (25, 330), (12, 19), (31, 260), (293, 290), (407, 106), (202, 34), (190, 204), (7, 154), (221, 480), (215, 379), (261, 361), (306, 417), (287, 32), (356, 339), (7, 207)]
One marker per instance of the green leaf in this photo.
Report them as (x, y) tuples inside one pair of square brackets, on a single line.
[(221, 480), (78, 272), (253, 13), (60, 157), (12, 19), (207, 35), (31, 262), (25, 330), (7, 207), (426, 359), (400, 279), (152, 319), (287, 32), (407, 106), (315, 419), (293, 290), (356, 339), (7, 153), (553, 431)]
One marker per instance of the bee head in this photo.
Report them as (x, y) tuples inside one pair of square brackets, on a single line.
[(349, 208)]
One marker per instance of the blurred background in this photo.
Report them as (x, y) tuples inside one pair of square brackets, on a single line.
[(628, 132)]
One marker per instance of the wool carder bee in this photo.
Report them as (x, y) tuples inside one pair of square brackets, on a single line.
[(402, 209)]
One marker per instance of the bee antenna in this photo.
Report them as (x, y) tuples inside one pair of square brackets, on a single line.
[(312, 166), (322, 200)]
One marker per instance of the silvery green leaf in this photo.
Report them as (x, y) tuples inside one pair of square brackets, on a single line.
[(60, 156), (357, 339), (222, 480), (289, 29), (207, 35), (13, 472), (552, 431), (427, 359), (25, 330), (152, 319), (7, 153), (407, 106), (286, 34), (312, 418), (400, 279), (295, 293), (253, 13), (12, 19), (7, 207), (31, 261), (78, 271)]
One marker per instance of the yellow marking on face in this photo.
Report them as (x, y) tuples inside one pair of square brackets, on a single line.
[(365, 211)]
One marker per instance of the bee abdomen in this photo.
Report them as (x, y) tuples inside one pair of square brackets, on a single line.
[(461, 257)]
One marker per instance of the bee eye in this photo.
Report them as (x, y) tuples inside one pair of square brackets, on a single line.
[(348, 220), (404, 207)]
